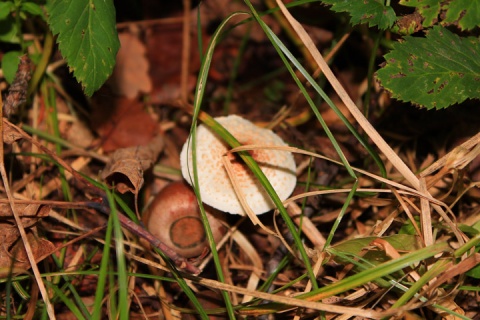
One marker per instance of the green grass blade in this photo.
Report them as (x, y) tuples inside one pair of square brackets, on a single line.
[(438, 268), (253, 166), (59, 293), (122, 278), (199, 92), (279, 46), (78, 300), (376, 272), (103, 272), (341, 214)]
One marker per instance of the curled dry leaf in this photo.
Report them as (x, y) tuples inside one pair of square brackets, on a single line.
[(125, 170), (130, 75)]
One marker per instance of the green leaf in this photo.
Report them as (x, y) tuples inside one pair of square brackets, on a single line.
[(373, 12), (10, 62), (401, 242), (465, 13), (428, 9), (474, 272), (87, 38), (33, 9), (9, 30), (5, 9), (435, 72)]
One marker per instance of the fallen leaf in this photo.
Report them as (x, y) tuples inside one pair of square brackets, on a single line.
[(126, 168), (12, 250), (130, 76), (40, 248), (30, 213), (164, 44), (122, 122), (10, 135)]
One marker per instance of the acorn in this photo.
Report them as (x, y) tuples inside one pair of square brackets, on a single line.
[(174, 218)]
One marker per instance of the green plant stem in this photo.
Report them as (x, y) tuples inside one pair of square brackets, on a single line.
[(18, 23), (42, 64)]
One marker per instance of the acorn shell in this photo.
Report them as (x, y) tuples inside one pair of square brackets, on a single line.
[(174, 218)]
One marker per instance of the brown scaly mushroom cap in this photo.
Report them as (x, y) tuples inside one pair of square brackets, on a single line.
[(215, 186)]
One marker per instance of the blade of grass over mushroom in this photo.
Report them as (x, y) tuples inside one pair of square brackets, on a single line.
[(199, 92), (253, 166), (198, 98), (283, 51)]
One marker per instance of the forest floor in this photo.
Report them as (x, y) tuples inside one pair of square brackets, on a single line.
[(81, 170)]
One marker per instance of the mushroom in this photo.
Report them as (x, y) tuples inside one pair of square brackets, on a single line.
[(174, 218), (216, 188)]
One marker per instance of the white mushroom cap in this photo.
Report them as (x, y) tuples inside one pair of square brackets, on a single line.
[(215, 186)]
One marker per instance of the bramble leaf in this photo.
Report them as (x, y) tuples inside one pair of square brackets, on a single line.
[(87, 38), (465, 13), (428, 9), (435, 72), (373, 12)]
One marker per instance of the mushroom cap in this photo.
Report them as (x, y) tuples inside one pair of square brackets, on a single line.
[(174, 218), (216, 189)]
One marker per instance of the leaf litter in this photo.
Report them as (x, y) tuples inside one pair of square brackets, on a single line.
[(137, 122)]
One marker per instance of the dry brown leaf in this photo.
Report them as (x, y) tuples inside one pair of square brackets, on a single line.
[(130, 76), (10, 135), (122, 122), (12, 249), (29, 212), (40, 249), (125, 170), (164, 43)]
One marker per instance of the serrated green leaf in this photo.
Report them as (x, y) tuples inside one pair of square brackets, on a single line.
[(87, 38), (435, 72), (5, 9), (10, 61), (465, 13), (373, 12), (428, 9)]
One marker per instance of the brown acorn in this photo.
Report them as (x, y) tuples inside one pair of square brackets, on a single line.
[(174, 218)]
